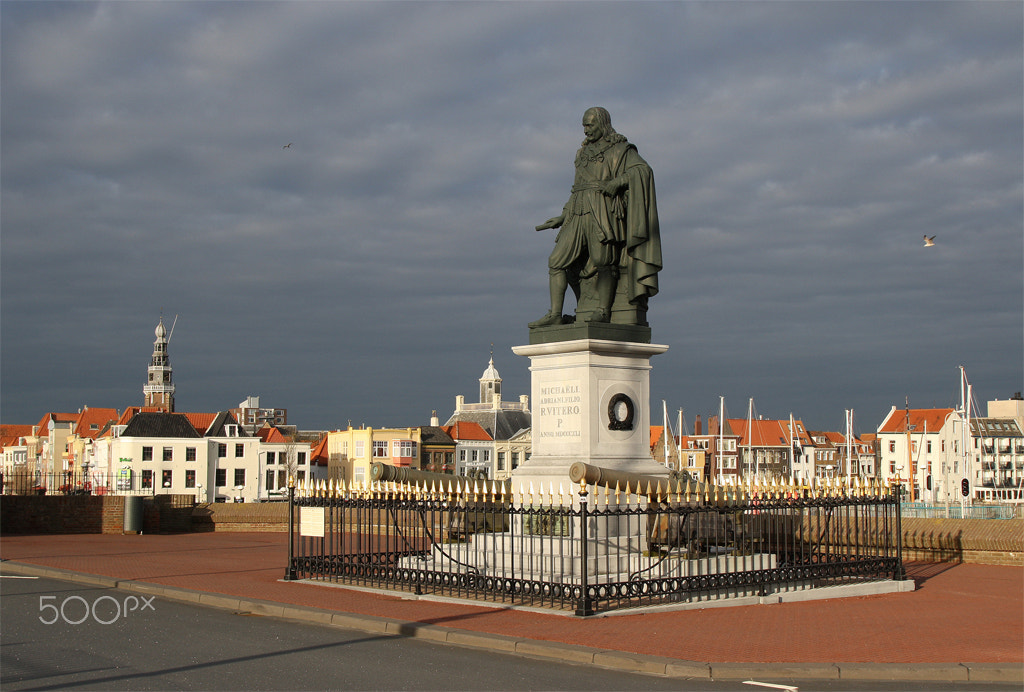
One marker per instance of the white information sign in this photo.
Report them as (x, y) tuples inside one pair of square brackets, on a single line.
[(312, 521)]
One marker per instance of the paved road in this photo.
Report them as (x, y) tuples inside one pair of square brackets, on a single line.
[(61, 635)]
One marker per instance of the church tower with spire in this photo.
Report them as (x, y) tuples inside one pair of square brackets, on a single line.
[(159, 389)]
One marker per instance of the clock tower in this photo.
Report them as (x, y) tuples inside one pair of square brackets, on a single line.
[(159, 389)]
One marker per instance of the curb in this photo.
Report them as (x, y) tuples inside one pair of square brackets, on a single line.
[(552, 651)]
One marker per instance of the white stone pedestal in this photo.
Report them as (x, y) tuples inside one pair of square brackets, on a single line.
[(591, 403)]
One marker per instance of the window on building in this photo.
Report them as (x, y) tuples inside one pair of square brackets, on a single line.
[(403, 448), (358, 474), (190, 454), (165, 479), (487, 455), (239, 450), (271, 456), (239, 477), (892, 446), (190, 478), (380, 448), (300, 458), (147, 454), (501, 461), (221, 478), (168, 454), (462, 455), (515, 460), (360, 449), (147, 479), (222, 450), (474, 454), (270, 480)]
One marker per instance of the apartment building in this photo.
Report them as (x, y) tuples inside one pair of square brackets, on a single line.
[(474, 449), (924, 449), (507, 423), (158, 452), (351, 451), (997, 448)]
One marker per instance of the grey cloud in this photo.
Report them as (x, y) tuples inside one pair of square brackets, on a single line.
[(800, 151)]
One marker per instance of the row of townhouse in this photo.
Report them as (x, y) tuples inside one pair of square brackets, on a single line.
[(463, 448), (488, 439), (930, 451), (207, 455), (60, 443)]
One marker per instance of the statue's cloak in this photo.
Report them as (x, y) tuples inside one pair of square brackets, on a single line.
[(630, 218)]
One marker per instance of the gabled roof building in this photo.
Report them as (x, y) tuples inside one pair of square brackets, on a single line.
[(924, 449)]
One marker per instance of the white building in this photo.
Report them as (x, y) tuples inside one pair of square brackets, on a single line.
[(924, 449), (165, 453), (506, 423)]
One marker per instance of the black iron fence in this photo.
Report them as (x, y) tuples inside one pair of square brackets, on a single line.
[(596, 549), (28, 482)]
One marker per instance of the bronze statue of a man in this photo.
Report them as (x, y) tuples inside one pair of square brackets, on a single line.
[(609, 240)]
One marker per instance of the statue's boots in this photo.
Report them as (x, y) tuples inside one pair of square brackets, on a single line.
[(547, 320)]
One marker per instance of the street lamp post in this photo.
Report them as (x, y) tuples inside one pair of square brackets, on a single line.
[(289, 572)]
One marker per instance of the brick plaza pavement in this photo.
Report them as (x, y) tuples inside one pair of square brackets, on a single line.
[(959, 612)]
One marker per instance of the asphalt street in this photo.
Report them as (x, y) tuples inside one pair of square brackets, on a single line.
[(61, 635)]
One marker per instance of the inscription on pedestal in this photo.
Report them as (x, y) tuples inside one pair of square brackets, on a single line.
[(561, 411)]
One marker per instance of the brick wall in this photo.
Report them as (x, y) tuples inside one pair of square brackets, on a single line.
[(983, 541), (69, 514), (241, 516)]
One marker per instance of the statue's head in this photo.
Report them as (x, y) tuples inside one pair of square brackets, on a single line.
[(597, 124)]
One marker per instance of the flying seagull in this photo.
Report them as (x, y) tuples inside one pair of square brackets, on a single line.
[(287, 146), (929, 242)]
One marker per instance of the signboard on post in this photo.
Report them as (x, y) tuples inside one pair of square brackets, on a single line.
[(312, 521)]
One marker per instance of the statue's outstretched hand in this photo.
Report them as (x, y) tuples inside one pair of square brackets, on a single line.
[(554, 222)]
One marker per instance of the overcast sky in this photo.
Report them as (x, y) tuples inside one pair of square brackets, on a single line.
[(800, 152)]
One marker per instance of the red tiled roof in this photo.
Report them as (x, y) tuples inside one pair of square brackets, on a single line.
[(922, 419), (466, 430), (271, 434), (9, 434), (91, 421), (44, 422), (201, 421), (319, 454), (767, 433), (128, 414), (656, 433)]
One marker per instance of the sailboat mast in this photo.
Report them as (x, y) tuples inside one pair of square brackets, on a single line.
[(664, 420), (679, 445), (849, 443), (792, 460), (721, 432), (750, 424), (965, 435)]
